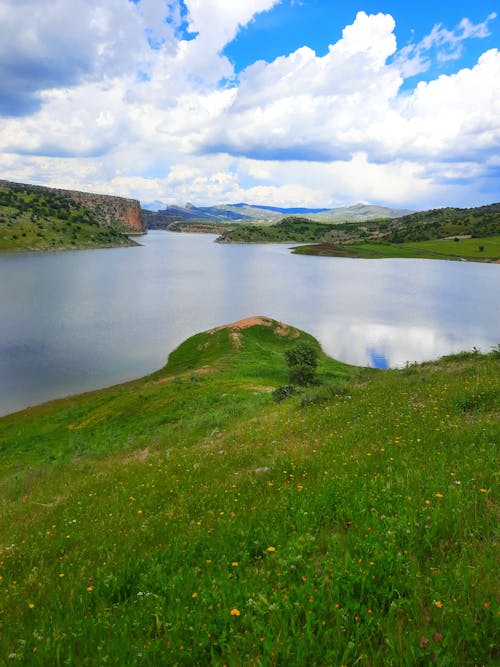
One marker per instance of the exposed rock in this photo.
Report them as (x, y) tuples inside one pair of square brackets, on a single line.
[(108, 210)]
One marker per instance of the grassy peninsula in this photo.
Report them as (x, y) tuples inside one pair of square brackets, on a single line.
[(41, 220), (449, 233), (188, 519)]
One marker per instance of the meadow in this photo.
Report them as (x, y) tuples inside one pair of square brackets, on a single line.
[(187, 518), (471, 249)]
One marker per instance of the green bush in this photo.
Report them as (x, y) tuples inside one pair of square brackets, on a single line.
[(302, 361), (284, 392)]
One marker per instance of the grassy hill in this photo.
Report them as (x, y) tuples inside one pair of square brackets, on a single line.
[(187, 519), (40, 220), (478, 222), (470, 234)]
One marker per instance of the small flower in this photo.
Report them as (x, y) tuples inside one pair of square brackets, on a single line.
[(438, 604), (484, 490), (271, 549), (90, 589), (234, 563), (439, 495), (31, 605), (235, 612), (61, 574), (427, 502), (194, 595), (486, 605)]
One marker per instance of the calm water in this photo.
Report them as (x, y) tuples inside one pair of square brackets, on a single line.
[(75, 321)]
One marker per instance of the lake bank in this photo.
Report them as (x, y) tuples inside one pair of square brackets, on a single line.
[(464, 250)]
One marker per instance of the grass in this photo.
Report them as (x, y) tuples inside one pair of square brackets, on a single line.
[(44, 221), (187, 519), (467, 249)]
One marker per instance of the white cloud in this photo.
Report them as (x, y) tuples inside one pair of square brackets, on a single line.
[(51, 45), (176, 123), (443, 43), (329, 108)]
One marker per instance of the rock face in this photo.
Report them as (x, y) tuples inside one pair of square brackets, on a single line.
[(108, 210)]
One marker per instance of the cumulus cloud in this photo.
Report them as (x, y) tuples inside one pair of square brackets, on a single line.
[(138, 98), (57, 44), (305, 107)]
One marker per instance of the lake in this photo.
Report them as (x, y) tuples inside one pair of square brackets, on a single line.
[(81, 320)]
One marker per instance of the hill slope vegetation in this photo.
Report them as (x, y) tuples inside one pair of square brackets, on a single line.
[(40, 220), (187, 519), (472, 234)]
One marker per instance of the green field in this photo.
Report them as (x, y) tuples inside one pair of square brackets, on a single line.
[(476, 250), (187, 519), (43, 221)]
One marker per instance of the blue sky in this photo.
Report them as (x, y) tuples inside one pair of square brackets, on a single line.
[(318, 23), (280, 102)]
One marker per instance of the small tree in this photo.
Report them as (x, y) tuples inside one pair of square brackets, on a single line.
[(302, 361)]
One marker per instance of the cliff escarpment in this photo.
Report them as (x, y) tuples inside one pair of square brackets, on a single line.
[(109, 211)]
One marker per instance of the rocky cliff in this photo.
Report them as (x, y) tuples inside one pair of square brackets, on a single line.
[(109, 211)]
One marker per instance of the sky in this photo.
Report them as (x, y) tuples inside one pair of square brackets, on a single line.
[(313, 103)]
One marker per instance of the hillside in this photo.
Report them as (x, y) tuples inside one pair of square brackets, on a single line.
[(467, 234), (33, 217), (441, 223), (187, 519)]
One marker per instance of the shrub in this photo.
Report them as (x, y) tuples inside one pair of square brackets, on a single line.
[(323, 394), (302, 361), (284, 392)]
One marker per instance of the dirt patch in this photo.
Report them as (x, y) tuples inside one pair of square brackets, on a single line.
[(285, 330), (236, 339), (245, 323), (281, 329), (204, 370)]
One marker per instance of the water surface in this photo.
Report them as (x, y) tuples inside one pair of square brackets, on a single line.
[(75, 321)]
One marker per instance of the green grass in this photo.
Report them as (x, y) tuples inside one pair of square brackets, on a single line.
[(288, 230), (44, 221), (186, 519), (468, 249)]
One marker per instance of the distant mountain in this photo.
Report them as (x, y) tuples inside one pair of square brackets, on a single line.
[(359, 213), (155, 205), (277, 209), (246, 213), (190, 214)]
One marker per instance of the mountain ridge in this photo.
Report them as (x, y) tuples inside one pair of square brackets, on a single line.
[(242, 212)]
